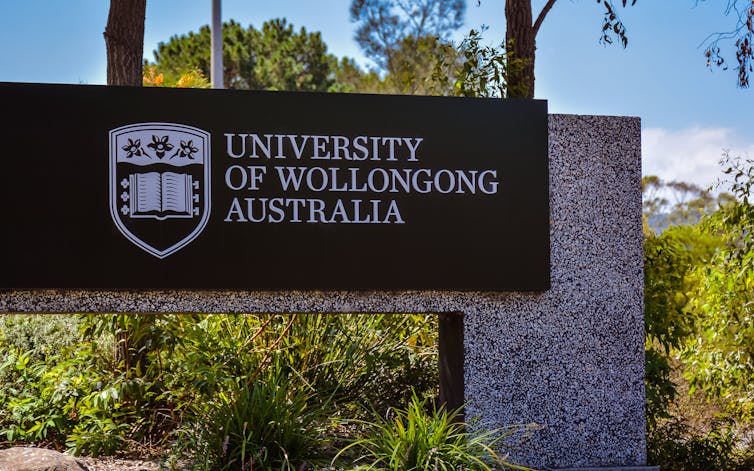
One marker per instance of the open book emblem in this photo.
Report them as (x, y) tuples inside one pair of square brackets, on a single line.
[(159, 184)]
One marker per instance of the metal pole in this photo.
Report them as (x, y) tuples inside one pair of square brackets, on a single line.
[(216, 57)]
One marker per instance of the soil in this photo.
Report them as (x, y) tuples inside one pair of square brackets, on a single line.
[(121, 464)]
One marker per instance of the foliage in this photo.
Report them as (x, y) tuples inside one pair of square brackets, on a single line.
[(66, 401), (418, 63), (383, 356), (292, 61), (678, 203), (675, 446), (669, 261), (429, 66), (666, 265), (697, 302), (414, 439), (273, 58), (413, 64), (38, 336), (409, 41), (660, 388), (189, 371), (612, 26), (267, 424), (404, 37), (721, 358), (278, 58), (387, 26), (190, 79), (474, 70), (46, 386), (350, 78), (742, 36)]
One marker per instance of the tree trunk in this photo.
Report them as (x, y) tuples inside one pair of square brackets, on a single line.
[(520, 39), (124, 40)]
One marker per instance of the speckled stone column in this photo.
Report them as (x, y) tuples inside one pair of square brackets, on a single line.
[(570, 359)]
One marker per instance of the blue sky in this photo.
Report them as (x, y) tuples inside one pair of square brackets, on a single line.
[(689, 113)]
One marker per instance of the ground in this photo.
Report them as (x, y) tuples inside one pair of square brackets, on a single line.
[(120, 464)]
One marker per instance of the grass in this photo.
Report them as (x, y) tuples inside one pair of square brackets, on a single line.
[(422, 437)]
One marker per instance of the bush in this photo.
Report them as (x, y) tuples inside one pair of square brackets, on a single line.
[(40, 336), (263, 425), (362, 361), (111, 383), (66, 400), (675, 446), (416, 439)]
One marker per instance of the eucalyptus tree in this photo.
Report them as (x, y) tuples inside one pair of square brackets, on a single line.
[(124, 40)]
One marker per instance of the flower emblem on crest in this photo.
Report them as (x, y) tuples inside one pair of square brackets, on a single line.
[(133, 148), (187, 150), (160, 145)]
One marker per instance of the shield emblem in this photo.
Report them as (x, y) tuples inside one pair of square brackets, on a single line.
[(160, 184)]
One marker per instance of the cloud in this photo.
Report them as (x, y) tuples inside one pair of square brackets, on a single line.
[(690, 155)]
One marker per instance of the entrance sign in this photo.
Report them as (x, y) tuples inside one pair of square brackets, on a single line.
[(148, 188)]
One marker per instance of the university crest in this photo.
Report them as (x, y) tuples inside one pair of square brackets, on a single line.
[(160, 184)]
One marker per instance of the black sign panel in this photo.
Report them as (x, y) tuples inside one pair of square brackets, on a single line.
[(131, 188)]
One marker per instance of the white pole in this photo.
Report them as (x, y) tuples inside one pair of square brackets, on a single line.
[(216, 56)]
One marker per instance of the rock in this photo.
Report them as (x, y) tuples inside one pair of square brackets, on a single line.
[(38, 459)]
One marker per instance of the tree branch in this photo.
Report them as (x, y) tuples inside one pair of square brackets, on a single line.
[(541, 17)]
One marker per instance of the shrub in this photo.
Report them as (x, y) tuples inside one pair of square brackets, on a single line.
[(416, 439), (40, 336), (263, 425), (362, 361), (675, 446), (115, 382)]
